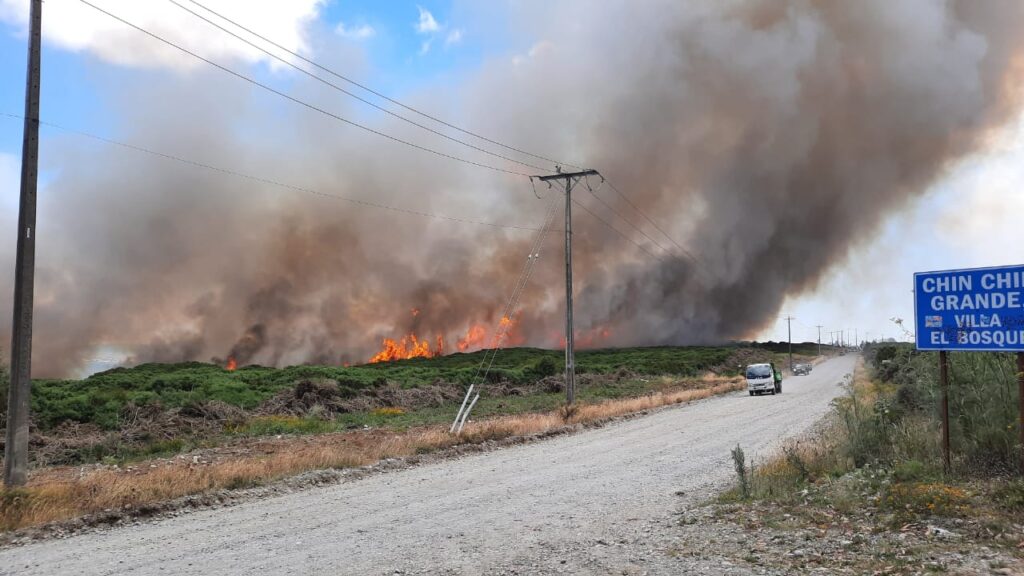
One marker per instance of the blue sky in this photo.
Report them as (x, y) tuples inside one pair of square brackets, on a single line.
[(400, 54)]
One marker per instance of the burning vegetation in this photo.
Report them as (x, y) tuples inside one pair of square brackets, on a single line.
[(476, 337), (408, 347)]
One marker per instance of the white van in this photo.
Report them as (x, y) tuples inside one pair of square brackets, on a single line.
[(763, 378)]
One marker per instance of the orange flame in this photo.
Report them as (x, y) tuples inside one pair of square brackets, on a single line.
[(407, 347), (231, 365), (477, 337), (474, 338)]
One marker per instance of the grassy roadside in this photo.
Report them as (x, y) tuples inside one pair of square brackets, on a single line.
[(65, 493), (867, 493), (159, 440)]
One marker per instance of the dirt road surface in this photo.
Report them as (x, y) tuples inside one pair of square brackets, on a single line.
[(599, 502)]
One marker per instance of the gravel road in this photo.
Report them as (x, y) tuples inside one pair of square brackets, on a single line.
[(597, 502)]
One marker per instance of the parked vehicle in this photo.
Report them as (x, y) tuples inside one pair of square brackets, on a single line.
[(763, 378), (801, 369)]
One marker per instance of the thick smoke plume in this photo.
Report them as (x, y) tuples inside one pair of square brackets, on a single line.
[(768, 137)]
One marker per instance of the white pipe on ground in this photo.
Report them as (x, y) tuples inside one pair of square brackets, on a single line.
[(461, 408), (468, 410)]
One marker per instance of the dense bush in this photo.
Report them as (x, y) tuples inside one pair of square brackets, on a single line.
[(983, 400)]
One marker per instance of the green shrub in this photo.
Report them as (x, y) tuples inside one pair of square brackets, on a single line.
[(1010, 495), (910, 471), (544, 368)]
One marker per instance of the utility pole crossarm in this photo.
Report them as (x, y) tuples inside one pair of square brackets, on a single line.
[(567, 175)]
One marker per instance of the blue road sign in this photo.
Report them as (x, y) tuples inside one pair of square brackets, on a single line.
[(980, 309)]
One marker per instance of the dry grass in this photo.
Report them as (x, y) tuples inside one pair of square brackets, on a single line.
[(61, 494)]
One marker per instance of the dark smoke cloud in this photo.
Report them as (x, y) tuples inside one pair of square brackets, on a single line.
[(768, 137)]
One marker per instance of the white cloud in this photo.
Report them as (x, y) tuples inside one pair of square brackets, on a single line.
[(432, 30), (361, 32), (427, 24), (537, 50), (74, 26), (454, 37)]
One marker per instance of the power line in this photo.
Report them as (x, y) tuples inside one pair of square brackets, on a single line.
[(506, 317), (271, 182), (287, 96), (344, 91), (614, 229), (652, 222), (368, 129), (378, 94), (612, 209)]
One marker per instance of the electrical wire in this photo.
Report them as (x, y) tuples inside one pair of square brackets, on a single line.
[(510, 306), (517, 294), (262, 180), (524, 277), (346, 92), (614, 229), (379, 94), (686, 252), (612, 209), (303, 103)]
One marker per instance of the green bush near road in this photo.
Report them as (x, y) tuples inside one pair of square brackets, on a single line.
[(882, 445), (101, 398), (983, 400)]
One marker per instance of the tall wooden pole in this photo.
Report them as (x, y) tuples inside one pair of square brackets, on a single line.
[(570, 358), (1020, 402), (16, 446), (570, 361), (944, 384), (789, 338)]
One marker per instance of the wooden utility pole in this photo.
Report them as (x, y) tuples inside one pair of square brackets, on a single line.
[(789, 336), (16, 446), (819, 327), (1020, 402), (570, 362), (944, 408)]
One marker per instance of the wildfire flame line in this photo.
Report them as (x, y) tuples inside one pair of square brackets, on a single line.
[(477, 337)]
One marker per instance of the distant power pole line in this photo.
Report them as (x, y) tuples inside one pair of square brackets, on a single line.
[(819, 327), (789, 337), (570, 365), (16, 446)]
